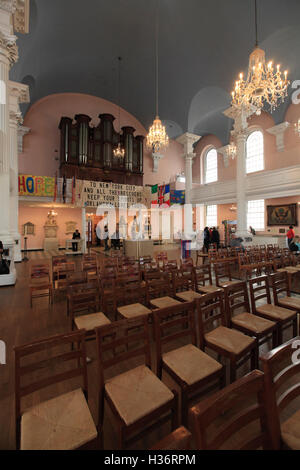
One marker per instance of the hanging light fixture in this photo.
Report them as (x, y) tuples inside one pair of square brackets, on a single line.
[(231, 149), (157, 138), (263, 85), (119, 151)]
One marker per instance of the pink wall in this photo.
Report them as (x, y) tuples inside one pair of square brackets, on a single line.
[(43, 117), (38, 216)]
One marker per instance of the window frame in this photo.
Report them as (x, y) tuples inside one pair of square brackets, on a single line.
[(261, 156), (205, 165), (263, 212), (215, 224)]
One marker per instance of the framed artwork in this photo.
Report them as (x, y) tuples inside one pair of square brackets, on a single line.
[(282, 215), (28, 229)]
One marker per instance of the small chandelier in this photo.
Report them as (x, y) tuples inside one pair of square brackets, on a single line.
[(297, 128), (263, 85), (119, 151), (157, 138)]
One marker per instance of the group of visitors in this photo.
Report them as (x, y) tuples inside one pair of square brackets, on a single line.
[(211, 236)]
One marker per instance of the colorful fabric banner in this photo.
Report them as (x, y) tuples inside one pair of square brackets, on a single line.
[(39, 186), (154, 195), (177, 196), (167, 195)]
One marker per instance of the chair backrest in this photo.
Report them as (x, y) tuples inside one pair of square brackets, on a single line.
[(229, 412), (170, 265), (279, 285), (281, 367), (222, 272), (211, 313), (76, 277), (172, 323), (120, 342), (202, 274), (259, 290), (183, 279), (81, 297), (186, 262), (180, 439), (129, 290), (236, 297), (45, 362), (158, 284)]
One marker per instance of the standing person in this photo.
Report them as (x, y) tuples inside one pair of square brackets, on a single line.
[(115, 238), (106, 238), (76, 236), (1, 249), (290, 235), (215, 237), (206, 239)]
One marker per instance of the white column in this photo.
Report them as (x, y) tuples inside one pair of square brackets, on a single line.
[(18, 93), (240, 117), (188, 140)]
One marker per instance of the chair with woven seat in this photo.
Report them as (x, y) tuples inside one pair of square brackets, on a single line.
[(183, 280), (223, 275), (279, 284), (192, 369), (40, 284), (203, 280), (180, 439), (214, 334), (62, 272), (131, 297), (236, 298), (159, 292), (138, 400), (63, 422), (234, 418), (281, 367), (284, 317)]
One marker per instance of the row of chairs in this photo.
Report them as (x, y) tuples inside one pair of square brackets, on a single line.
[(138, 398)]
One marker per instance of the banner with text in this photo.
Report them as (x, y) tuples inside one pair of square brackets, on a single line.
[(41, 186), (95, 193)]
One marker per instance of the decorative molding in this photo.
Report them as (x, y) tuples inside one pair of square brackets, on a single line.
[(16, 117), (279, 131), (8, 42), (240, 116), (22, 131), (188, 140), (8, 5), (21, 17), (156, 157), (223, 151)]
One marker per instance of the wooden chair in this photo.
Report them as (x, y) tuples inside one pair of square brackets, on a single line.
[(131, 297), (192, 369), (183, 281), (284, 317), (180, 439), (223, 275), (232, 344), (280, 285), (281, 367), (186, 262), (236, 298), (159, 291), (82, 298), (61, 282), (228, 412), (203, 280), (40, 284), (63, 422), (138, 400)]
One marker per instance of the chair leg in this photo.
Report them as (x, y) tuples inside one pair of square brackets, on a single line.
[(279, 334), (121, 438), (174, 417), (254, 357), (232, 371), (184, 408), (275, 338), (295, 327)]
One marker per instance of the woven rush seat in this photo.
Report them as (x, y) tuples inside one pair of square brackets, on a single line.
[(62, 423), (163, 302), (275, 312), (208, 289), (188, 295), (231, 340), (91, 321), (290, 431), (288, 269), (252, 322), (228, 283), (133, 310), (137, 393), (190, 363), (291, 302)]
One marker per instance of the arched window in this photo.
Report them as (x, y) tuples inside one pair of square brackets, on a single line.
[(211, 166), (255, 152)]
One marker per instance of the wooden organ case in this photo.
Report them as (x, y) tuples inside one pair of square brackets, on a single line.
[(86, 152)]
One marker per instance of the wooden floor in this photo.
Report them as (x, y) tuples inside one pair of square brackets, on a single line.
[(20, 324)]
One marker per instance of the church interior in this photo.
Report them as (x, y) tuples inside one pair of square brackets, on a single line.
[(149, 229)]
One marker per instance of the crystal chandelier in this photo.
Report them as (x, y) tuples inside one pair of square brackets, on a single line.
[(297, 128), (263, 85), (157, 138), (231, 148), (119, 151)]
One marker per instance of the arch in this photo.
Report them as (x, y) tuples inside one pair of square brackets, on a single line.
[(255, 151), (210, 165)]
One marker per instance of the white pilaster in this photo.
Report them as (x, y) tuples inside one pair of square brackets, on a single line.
[(18, 93), (22, 131), (279, 131)]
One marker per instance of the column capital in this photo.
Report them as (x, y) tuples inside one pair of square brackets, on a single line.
[(8, 44), (224, 151), (22, 131), (8, 5), (240, 116), (279, 131), (187, 140), (19, 90)]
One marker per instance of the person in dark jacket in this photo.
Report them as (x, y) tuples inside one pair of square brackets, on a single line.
[(206, 239), (215, 237)]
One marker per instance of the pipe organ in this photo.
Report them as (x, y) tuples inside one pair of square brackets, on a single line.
[(87, 152)]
